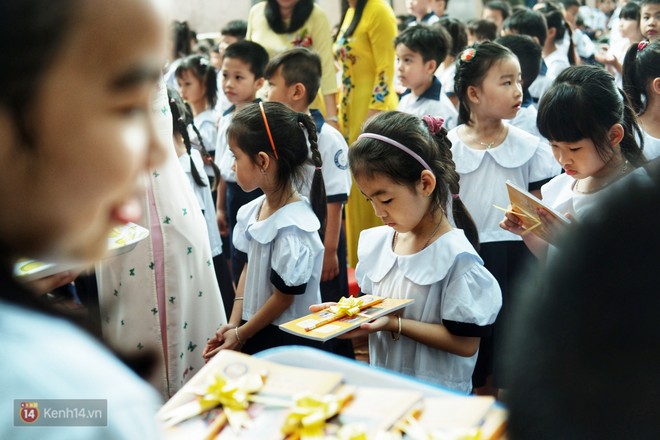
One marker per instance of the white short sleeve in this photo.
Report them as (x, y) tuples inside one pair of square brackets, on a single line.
[(473, 297), (293, 257)]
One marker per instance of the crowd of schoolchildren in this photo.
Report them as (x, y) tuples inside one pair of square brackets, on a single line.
[(247, 213)]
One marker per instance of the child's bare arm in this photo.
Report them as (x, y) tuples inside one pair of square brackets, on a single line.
[(276, 304), (331, 241), (433, 335)]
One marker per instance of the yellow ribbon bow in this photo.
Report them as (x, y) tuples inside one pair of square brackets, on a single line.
[(310, 412), (347, 306), (233, 395)]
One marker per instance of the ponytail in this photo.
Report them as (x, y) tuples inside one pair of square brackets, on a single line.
[(447, 167), (317, 194), (572, 57), (631, 150), (211, 83), (181, 128), (632, 85), (205, 155)]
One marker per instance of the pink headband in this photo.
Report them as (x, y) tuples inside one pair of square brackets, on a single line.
[(400, 146)]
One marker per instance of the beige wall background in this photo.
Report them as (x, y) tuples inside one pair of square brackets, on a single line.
[(210, 15)]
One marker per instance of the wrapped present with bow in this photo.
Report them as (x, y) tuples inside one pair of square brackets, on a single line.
[(343, 317)]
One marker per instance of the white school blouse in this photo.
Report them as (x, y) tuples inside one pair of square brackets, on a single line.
[(559, 194), (521, 158), (204, 197), (284, 252), (526, 120), (651, 146), (207, 125), (450, 286)]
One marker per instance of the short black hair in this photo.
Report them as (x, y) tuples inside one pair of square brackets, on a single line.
[(299, 65), (456, 29), (631, 11), (235, 28), (528, 22), (432, 43), (503, 7), (482, 29), (251, 53), (529, 54)]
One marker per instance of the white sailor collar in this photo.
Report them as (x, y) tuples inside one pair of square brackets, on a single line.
[(516, 150), (428, 266), (206, 116), (297, 215)]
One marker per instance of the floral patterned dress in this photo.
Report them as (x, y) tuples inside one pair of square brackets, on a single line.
[(314, 35), (367, 61), (163, 296)]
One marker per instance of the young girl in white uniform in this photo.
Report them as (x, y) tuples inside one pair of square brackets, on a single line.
[(192, 165), (487, 153), (641, 81), (197, 81), (403, 166), (279, 230), (592, 129)]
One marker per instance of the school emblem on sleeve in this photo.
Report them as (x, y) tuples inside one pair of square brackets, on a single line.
[(29, 412), (341, 161)]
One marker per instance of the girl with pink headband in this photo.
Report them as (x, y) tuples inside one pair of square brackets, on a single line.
[(402, 165)]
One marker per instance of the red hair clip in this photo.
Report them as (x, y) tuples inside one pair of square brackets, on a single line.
[(468, 54), (641, 45)]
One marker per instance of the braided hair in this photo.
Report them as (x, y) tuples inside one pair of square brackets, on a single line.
[(182, 119), (424, 136), (287, 128)]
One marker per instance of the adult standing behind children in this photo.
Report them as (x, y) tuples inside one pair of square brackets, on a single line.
[(163, 296), (365, 51), (419, 51), (74, 163), (243, 67), (279, 25), (293, 79)]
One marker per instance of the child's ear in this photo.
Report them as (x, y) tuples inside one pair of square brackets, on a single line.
[(431, 66), (655, 86), (262, 161), (472, 94), (259, 82), (615, 134), (298, 92), (427, 182)]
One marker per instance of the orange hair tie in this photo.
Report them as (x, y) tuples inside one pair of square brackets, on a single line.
[(270, 136)]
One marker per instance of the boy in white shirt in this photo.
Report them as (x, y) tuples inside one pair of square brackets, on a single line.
[(419, 51)]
